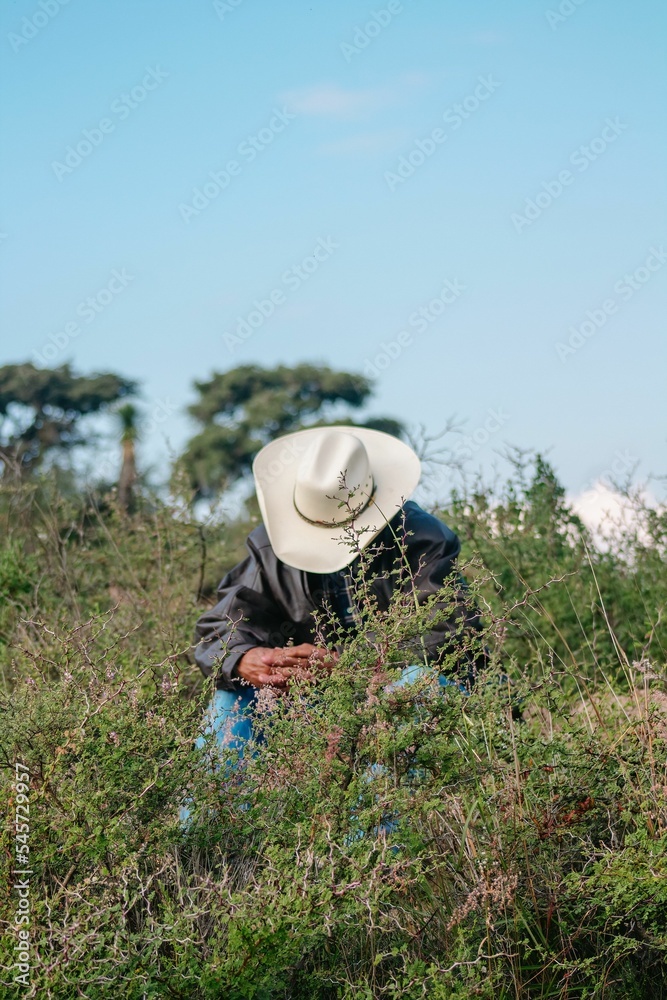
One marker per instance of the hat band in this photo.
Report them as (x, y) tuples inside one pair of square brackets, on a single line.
[(337, 524)]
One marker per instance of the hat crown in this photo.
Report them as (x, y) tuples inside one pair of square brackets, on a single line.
[(334, 481), (307, 510)]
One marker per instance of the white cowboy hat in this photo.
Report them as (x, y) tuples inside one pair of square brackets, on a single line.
[(326, 492)]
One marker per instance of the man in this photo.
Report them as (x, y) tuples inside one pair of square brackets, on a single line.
[(335, 512)]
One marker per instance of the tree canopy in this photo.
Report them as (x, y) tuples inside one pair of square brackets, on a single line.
[(243, 409), (41, 410)]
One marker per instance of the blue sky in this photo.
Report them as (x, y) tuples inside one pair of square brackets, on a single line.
[(378, 152)]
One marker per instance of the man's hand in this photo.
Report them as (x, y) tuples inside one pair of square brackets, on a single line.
[(263, 666)]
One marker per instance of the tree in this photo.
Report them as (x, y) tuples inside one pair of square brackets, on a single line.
[(242, 409), (128, 416), (41, 410)]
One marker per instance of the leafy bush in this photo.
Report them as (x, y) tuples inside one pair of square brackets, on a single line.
[(381, 841)]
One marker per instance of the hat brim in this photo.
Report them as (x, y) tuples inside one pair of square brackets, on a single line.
[(316, 548)]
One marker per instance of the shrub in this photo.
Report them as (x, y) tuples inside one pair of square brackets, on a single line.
[(382, 841)]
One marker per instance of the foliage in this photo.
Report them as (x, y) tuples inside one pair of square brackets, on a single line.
[(383, 841), (576, 609), (242, 409), (41, 410)]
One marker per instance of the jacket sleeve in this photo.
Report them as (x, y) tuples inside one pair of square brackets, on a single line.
[(245, 616), (433, 563)]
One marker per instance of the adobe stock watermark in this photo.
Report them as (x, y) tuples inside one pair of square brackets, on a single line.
[(31, 26), (466, 447), (160, 410), (581, 158), (122, 107), (248, 150), (87, 310), (418, 321), (622, 464), (625, 288), (21, 885), (565, 9), (470, 444), (292, 279), (454, 117), (293, 449), (374, 26), (224, 7)]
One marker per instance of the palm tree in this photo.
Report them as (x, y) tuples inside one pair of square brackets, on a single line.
[(128, 415)]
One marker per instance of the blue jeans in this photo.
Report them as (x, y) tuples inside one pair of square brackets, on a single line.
[(230, 716)]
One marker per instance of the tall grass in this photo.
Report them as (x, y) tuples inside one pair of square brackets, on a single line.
[(382, 842)]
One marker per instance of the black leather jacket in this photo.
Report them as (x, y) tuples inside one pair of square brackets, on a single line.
[(263, 602)]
